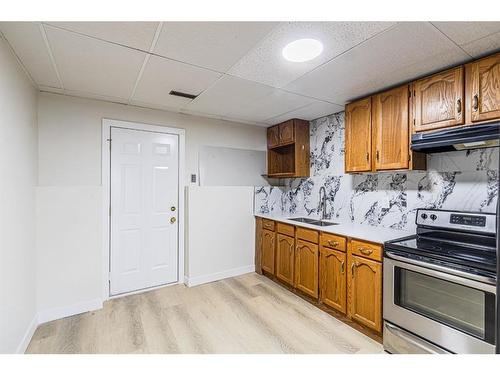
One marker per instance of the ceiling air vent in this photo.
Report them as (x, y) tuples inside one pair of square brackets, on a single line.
[(182, 94)]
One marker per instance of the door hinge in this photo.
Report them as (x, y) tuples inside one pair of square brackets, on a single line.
[(109, 140), (109, 276), (413, 122)]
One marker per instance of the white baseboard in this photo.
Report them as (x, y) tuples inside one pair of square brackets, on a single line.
[(23, 345), (203, 279), (63, 312)]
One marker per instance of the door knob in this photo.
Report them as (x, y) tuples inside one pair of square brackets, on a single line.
[(172, 208), (173, 220)]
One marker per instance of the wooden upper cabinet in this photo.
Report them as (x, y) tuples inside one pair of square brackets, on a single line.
[(438, 100), (306, 267), (268, 251), (285, 251), (288, 149), (332, 271), (483, 89), (273, 136), (364, 283), (358, 135), (391, 129), (286, 132)]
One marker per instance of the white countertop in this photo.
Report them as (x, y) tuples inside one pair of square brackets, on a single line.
[(359, 231)]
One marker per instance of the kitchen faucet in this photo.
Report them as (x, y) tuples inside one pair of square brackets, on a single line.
[(322, 202)]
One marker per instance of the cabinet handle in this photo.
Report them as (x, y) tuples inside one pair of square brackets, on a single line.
[(342, 269), (459, 106), (475, 102), (333, 243), (367, 156), (365, 251), (352, 270), (377, 155)]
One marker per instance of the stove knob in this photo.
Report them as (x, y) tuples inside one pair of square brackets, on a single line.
[(423, 216), (433, 217)]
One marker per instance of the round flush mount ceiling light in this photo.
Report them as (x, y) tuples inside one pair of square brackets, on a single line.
[(302, 50)]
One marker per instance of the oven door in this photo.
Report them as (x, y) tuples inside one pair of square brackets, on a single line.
[(453, 312)]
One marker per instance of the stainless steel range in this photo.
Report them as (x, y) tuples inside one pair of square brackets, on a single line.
[(440, 285)]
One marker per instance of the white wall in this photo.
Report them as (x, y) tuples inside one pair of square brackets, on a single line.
[(70, 136), (69, 240), (18, 177), (69, 160), (220, 232)]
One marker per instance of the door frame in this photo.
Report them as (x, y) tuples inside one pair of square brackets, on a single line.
[(107, 124)]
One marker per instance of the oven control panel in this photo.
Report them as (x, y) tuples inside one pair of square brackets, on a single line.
[(475, 221), (466, 221)]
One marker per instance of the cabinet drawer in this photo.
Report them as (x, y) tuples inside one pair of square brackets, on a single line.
[(307, 234), (366, 250), (267, 224), (332, 241), (287, 229)]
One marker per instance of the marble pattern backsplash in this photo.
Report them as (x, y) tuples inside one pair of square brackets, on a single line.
[(459, 180)]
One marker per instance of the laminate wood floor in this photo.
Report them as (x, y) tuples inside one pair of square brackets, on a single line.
[(245, 314)]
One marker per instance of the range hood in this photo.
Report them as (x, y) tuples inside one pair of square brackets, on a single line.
[(463, 138)]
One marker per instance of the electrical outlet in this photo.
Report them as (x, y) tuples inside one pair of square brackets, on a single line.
[(193, 179)]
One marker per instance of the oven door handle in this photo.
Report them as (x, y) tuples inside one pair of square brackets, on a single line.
[(459, 277)]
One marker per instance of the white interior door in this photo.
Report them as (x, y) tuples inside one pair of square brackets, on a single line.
[(144, 209)]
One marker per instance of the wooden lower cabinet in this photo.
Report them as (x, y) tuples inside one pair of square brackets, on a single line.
[(258, 245), (332, 273), (285, 258), (364, 285), (317, 264), (306, 267), (268, 250)]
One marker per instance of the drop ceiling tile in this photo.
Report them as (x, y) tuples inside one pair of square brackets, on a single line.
[(313, 111), (466, 32), (132, 34), (93, 66), (483, 46), (162, 75), (276, 103), (265, 63), (400, 54), (214, 45), (228, 94), (28, 44)]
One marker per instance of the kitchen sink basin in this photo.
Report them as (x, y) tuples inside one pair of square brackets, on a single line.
[(323, 223), (306, 220)]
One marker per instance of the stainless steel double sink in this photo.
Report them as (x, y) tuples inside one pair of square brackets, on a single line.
[(306, 220)]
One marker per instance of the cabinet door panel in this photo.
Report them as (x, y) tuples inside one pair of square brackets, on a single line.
[(332, 268), (391, 128), (268, 250), (273, 136), (286, 132), (358, 135), (365, 291), (484, 89), (438, 100), (285, 251), (306, 267)]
